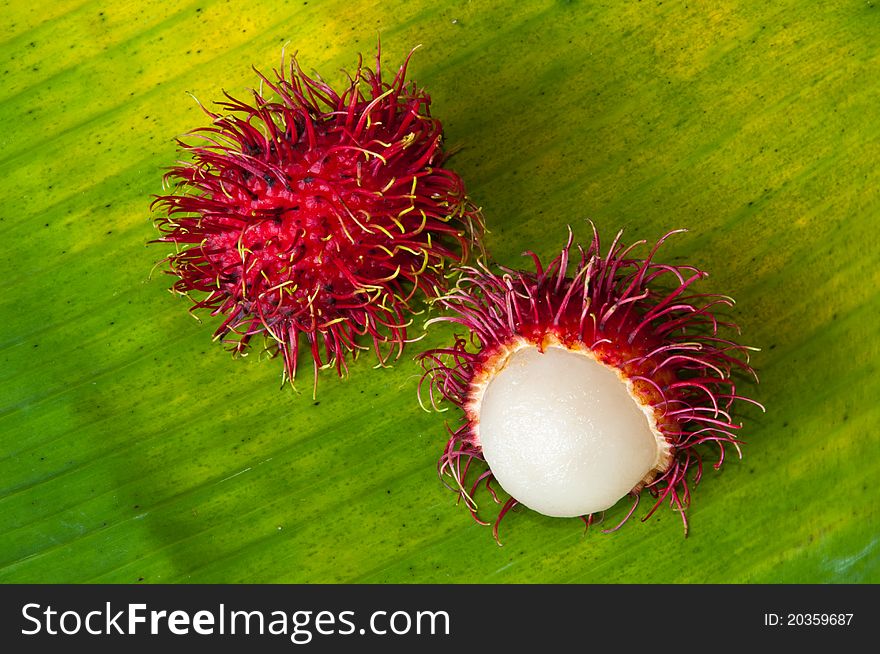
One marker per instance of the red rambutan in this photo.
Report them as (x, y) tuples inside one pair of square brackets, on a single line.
[(580, 389), (309, 213)]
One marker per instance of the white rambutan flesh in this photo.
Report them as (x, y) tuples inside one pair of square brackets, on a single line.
[(563, 433)]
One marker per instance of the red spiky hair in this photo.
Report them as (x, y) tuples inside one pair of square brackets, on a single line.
[(636, 315), (312, 213)]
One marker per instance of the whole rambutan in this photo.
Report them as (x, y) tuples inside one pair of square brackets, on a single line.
[(578, 389), (307, 213)]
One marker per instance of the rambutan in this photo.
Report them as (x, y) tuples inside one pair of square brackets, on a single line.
[(307, 213), (578, 389)]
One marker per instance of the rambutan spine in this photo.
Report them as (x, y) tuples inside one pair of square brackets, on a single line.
[(636, 316), (316, 215)]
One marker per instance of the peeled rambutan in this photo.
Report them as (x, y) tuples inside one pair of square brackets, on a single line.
[(307, 213), (578, 389)]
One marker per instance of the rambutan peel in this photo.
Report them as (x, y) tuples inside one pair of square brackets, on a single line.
[(308, 214), (579, 389)]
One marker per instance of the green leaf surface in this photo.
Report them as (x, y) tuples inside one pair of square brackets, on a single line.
[(132, 448)]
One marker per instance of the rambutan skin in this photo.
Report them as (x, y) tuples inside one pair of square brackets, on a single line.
[(306, 213), (638, 316)]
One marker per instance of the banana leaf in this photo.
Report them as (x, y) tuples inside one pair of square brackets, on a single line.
[(135, 449)]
